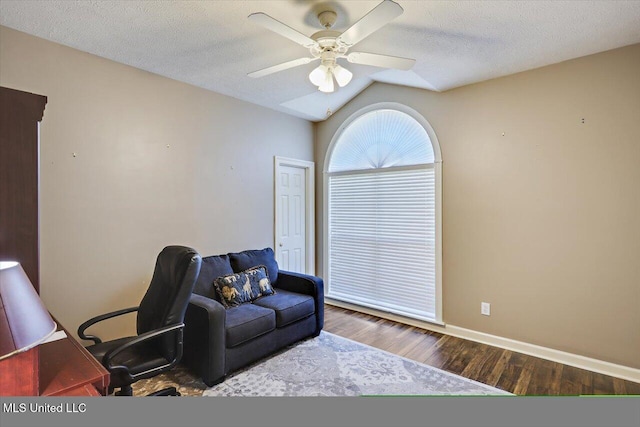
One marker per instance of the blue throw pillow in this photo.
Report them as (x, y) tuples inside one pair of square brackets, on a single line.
[(260, 282), (247, 259), (246, 286)]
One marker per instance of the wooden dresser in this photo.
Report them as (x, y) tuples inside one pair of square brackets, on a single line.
[(58, 368), (68, 369)]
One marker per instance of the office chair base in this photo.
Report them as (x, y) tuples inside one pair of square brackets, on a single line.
[(170, 391), (125, 390)]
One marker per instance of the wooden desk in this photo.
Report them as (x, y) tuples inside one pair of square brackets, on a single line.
[(68, 369)]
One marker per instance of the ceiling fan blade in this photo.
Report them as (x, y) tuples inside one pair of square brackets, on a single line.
[(378, 17), (284, 30), (280, 67), (384, 61)]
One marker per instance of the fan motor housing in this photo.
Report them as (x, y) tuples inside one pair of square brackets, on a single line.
[(325, 37), (327, 41)]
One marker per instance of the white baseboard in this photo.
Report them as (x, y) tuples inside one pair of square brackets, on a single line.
[(582, 362)]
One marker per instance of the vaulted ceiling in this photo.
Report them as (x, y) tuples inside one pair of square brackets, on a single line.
[(212, 44)]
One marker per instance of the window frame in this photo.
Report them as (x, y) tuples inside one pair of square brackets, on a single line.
[(438, 192)]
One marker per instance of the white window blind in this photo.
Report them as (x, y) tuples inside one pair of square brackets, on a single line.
[(381, 211), (381, 139), (382, 239)]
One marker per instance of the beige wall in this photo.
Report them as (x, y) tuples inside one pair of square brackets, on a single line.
[(157, 162), (543, 222)]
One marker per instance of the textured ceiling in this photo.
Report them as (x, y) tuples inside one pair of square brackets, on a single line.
[(212, 44)]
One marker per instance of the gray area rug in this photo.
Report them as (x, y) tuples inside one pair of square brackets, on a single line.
[(329, 365)]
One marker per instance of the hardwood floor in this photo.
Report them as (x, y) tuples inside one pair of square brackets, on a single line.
[(514, 372)]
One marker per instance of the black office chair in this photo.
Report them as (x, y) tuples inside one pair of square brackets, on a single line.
[(158, 345)]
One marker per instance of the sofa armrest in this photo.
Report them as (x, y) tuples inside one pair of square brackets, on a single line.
[(305, 284), (300, 283), (204, 338)]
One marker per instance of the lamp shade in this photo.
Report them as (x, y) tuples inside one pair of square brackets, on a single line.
[(24, 320), (343, 76), (327, 84), (318, 75)]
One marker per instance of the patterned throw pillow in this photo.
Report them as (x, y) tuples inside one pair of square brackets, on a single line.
[(260, 281), (243, 287)]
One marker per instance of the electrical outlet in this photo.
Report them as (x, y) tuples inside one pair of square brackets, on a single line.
[(485, 308)]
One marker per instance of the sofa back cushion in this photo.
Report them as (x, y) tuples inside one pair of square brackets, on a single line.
[(212, 268), (244, 260)]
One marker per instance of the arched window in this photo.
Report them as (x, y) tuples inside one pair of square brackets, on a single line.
[(382, 234)]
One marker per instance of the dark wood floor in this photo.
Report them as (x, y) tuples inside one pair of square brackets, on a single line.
[(511, 371)]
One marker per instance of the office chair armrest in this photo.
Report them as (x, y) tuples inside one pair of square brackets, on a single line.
[(107, 359), (100, 318)]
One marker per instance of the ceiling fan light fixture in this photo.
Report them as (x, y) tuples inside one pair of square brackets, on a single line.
[(323, 75), (343, 76), (327, 85), (319, 75)]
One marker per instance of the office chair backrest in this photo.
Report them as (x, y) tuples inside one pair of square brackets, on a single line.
[(167, 298)]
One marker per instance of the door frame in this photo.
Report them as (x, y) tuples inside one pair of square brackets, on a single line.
[(310, 233)]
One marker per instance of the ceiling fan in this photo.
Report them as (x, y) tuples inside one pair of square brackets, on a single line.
[(328, 45)]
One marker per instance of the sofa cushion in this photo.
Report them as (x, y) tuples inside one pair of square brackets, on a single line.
[(243, 260), (289, 307), (212, 268), (247, 321), (246, 286)]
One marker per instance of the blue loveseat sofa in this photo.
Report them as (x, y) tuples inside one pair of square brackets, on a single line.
[(219, 339)]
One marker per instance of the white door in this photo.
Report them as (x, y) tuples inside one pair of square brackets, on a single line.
[(294, 214)]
